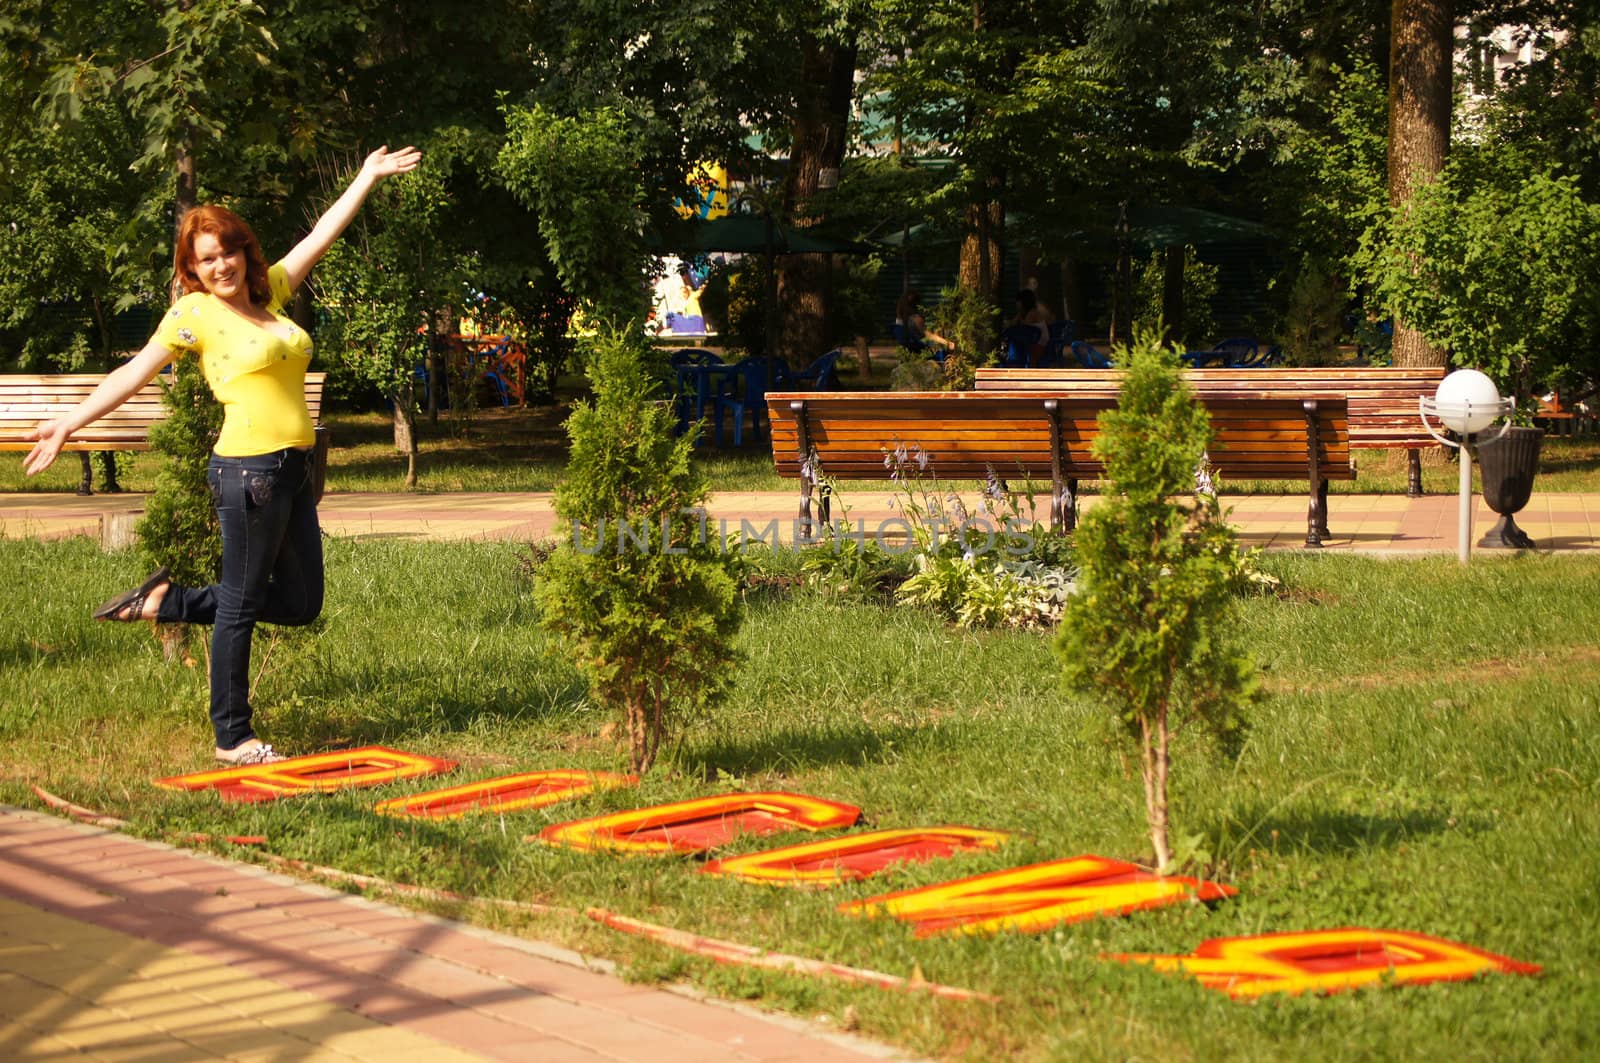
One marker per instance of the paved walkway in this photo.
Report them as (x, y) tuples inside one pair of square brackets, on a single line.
[(112, 948), (1389, 524)]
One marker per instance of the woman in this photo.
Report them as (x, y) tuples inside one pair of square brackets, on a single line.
[(254, 358), (912, 327)]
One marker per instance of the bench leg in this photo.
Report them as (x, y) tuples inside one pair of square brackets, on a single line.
[(1317, 515), (86, 485), (1413, 473), (1069, 506), (111, 487)]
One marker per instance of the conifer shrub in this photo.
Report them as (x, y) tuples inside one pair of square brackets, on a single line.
[(1148, 631), (644, 599), (179, 528)]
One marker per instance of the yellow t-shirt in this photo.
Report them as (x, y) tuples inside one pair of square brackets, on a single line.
[(257, 375)]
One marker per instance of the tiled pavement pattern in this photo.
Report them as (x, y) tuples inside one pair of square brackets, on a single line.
[(1390, 524), (112, 948)]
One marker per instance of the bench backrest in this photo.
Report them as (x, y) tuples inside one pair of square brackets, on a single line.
[(27, 400), (968, 433), (1382, 402)]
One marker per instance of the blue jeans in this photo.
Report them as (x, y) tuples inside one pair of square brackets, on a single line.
[(271, 572)]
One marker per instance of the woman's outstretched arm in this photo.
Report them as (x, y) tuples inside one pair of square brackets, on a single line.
[(121, 384), (380, 164)]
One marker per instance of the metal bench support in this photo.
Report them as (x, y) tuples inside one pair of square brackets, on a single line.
[(1317, 518)]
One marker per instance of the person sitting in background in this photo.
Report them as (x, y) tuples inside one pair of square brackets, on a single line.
[(1029, 312), (912, 327)]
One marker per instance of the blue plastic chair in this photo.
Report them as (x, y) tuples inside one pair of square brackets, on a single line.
[(692, 390), (1237, 352), (820, 375), (739, 391), (1260, 359), (1015, 343), (693, 356), (490, 358), (1090, 357), (1061, 334)]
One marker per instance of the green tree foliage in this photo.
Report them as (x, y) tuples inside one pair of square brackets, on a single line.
[(382, 284), (1148, 632), (1343, 163), (1199, 287), (581, 176), (179, 528), (78, 251), (1498, 267), (645, 600)]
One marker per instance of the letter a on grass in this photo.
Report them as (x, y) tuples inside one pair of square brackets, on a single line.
[(1327, 961)]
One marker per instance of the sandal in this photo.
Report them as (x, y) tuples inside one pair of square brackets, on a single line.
[(129, 606), (250, 751)]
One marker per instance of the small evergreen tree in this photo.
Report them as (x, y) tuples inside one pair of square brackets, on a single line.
[(645, 599), (1148, 631), (179, 528)]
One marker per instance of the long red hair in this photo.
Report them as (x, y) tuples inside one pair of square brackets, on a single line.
[(233, 234)]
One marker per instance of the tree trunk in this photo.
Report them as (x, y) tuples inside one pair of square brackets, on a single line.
[(405, 434), (1072, 307), (185, 195), (827, 79), (981, 247), (1419, 126), (1153, 762), (1122, 283), (1176, 261)]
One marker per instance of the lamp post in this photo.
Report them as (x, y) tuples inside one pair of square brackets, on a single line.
[(1466, 403)]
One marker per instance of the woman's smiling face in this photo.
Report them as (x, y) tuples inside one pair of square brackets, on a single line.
[(220, 270)]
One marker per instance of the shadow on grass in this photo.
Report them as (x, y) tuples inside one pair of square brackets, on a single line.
[(1327, 831), (334, 713), (789, 751)]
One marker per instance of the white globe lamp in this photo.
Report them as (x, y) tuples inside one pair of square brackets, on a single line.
[(1467, 402)]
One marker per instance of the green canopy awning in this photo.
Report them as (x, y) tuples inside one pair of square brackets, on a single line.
[(751, 234)]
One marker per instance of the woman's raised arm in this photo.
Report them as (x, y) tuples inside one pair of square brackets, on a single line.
[(380, 164)]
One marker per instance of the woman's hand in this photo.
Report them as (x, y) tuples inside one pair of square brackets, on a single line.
[(51, 436), (385, 163)]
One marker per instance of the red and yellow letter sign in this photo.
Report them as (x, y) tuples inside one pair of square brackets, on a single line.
[(1036, 897), (835, 860), (1326, 960), (318, 773), (701, 824), (509, 793)]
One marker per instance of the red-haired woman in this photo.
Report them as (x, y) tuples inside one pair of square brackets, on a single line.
[(254, 358)]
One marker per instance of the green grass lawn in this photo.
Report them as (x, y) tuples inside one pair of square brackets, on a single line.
[(1428, 759)]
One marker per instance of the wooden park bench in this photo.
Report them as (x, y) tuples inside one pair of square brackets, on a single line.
[(1019, 433), (27, 400), (1382, 402)]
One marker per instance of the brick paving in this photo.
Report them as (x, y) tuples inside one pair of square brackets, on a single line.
[(114, 948)]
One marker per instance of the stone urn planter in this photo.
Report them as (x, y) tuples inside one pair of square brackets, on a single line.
[(1508, 466)]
